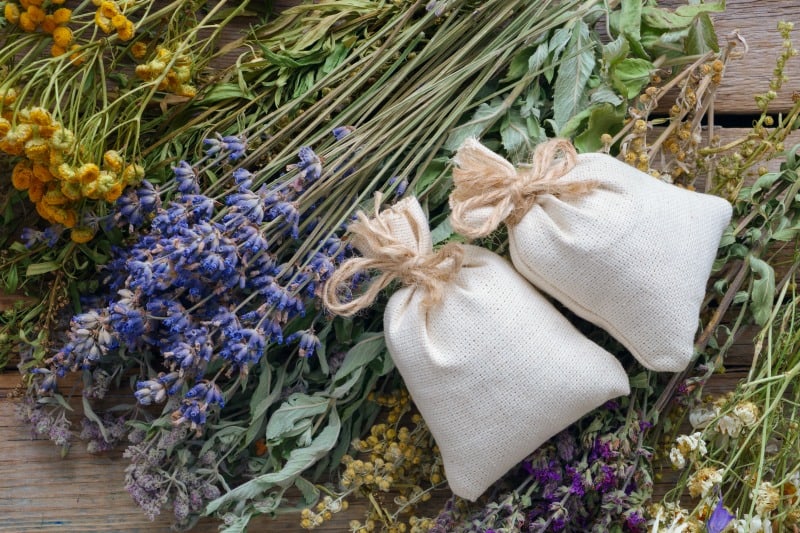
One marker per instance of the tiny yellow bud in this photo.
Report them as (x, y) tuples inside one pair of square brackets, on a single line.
[(11, 12), (62, 36), (62, 15)]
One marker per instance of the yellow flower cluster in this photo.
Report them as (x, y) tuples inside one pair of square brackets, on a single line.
[(110, 18), (177, 79), (53, 185), (324, 511), (394, 458), (32, 15)]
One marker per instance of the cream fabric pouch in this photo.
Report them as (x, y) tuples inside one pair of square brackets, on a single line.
[(494, 369), (626, 251)]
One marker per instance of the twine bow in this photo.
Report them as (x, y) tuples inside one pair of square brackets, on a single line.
[(383, 251), (483, 179)]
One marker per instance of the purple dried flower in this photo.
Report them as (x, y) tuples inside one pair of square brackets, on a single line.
[(720, 518)]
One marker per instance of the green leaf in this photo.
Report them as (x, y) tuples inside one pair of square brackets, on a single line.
[(573, 75), (299, 460), (442, 232), (368, 347), (514, 134), (630, 75), (615, 51), (483, 118), (765, 181), (574, 124), (295, 416), (630, 20), (265, 394), (518, 66), (603, 119), (37, 269), (763, 293), (605, 95), (702, 38), (640, 380), (681, 18), (225, 91), (12, 279), (309, 491)]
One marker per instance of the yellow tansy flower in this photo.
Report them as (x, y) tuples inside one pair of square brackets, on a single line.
[(138, 50), (55, 197), (5, 125), (62, 37), (26, 23), (71, 190), (108, 9), (113, 193), (133, 174), (113, 160), (88, 173), (10, 96), (67, 173), (21, 176), (81, 234), (119, 21), (126, 32), (62, 139), (42, 173), (76, 57), (104, 23), (62, 15), (35, 190), (36, 14), (49, 24), (38, 150), (40, 116), (56, 50), (11, 12)]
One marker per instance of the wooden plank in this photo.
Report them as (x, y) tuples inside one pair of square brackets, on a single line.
[(757, 23)]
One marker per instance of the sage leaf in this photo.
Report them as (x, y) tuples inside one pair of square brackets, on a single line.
[(295, 416), (299, 460), (573, 75), (630, 75), (368, 347), (603, 119), (702, 38), (485, 115), (514, 134), (763, 293)]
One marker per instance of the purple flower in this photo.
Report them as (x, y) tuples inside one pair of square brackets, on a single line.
[(719, 519)]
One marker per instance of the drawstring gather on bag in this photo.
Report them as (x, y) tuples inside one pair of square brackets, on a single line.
[(483, 179), (394, 259)]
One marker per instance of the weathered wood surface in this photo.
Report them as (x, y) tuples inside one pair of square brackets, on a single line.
[(40, 491)]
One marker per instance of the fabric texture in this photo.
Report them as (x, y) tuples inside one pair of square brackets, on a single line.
[(493, 367), (632, 255)]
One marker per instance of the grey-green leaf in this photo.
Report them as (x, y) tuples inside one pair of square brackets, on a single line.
[(295, 415), (573, 74), (763, 293)]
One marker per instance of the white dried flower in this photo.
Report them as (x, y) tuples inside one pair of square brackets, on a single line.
[(766, 497), (729, 425), (677, 458), (701, 417), (747, 413), (702, 481), (750, 524)]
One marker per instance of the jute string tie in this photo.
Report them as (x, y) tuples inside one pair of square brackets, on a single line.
[(395, 260), (484, 179)]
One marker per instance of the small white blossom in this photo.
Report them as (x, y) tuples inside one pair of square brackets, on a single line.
[(677, 458), (766, 497), (729, 425), (751, 524), (701, 417), (747, 413), (702, 481)]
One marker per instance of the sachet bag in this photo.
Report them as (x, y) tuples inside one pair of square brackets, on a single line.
[(626, 251), (494, 369)]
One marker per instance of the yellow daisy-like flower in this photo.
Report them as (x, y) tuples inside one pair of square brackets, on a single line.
[(36, 14), (91, 190), (10, 96), (62, 36), (5, 126), (119, 21), (11, 147), (49, 24), (81, 234), (133, 174), (108, 9), (67, 173), (42, 173), (88, 173), (35, 189), (114, 192), (57, 50), (26, 23), (56, 159), (138, 50), (11, 12), (126, 32), (39, 116), (113, 160), (21, 176), (62, 140), (20, 133), (71, 190), (77, 57), (37, 150), (62, 15), (104, 23)]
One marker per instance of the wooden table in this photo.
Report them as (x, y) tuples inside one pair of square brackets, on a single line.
[(40, 491)]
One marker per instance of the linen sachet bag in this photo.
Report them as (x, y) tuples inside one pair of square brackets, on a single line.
[(626, 251), (494, 369)]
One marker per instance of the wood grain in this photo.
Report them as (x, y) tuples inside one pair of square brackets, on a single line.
[(40, 491)]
